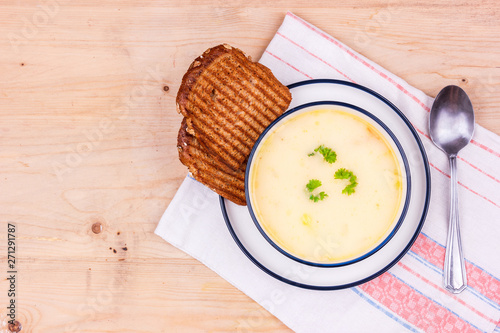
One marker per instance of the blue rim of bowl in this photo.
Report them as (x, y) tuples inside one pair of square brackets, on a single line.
[(408, 245), (291, 113)]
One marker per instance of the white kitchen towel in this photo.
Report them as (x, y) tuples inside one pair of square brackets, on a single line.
[(410, 296)]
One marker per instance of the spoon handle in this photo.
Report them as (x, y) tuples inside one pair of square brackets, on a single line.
[(455, 278)]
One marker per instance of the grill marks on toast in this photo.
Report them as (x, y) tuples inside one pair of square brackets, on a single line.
[(238, 107), (236, 93), (260, 104), (205, 124), (227, 101), (275, 100), (249, 127), (256, 89), (220, 178)]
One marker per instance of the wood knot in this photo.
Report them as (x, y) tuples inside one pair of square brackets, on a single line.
[(166, 88), (15, 326), (97, 228)]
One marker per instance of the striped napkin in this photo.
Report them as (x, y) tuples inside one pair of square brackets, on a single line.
[(410, 296)]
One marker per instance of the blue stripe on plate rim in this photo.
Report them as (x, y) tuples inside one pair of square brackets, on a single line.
[(406, 248)]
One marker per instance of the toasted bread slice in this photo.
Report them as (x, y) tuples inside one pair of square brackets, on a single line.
[(208, 170), (228, 101)]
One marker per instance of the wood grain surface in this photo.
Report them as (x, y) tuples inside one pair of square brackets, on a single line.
[(88, 137)]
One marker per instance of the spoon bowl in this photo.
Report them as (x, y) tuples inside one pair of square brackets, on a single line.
[(451, 127), (451, 120)]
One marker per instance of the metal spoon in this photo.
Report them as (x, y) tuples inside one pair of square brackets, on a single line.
[(451, 125)]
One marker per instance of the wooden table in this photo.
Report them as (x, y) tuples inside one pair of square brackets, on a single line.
[(88, 141)]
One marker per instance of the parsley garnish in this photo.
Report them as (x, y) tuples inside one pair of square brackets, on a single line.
[(318, 197), (342, 174), (328, 154), (346, 174), (349, 189), (311, 186)]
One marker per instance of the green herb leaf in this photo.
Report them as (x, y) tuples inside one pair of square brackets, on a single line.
[(353, 179), (328, 154), (342, 174), (313, 184), (321, 196), (346, 174), (349, 189)]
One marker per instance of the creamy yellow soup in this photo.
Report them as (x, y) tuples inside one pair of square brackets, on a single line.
[(340, 227)]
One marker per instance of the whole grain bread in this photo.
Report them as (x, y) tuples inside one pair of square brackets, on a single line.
[(228, 101)]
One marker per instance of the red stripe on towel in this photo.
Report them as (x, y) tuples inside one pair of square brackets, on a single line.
[(414, 307), (477, 278)]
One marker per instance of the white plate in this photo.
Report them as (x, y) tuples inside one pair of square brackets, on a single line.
[(283, 268)]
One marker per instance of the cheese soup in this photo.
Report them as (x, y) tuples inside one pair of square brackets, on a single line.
[(326, 223)]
